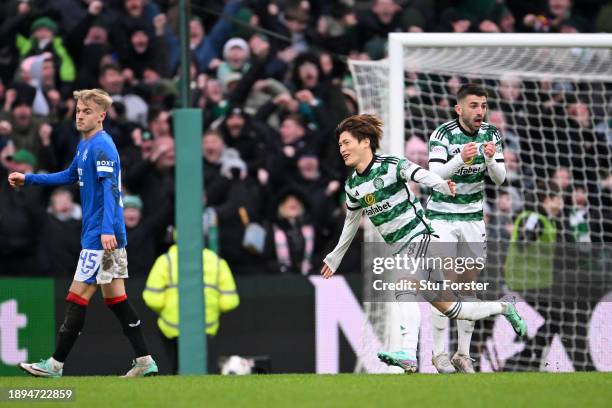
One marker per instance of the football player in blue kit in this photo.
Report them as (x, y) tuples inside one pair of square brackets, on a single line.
[(103, 258)]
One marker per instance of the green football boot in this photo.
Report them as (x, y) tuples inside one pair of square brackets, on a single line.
[(399, 359), (45, 368), (142, 367), (512, 316)]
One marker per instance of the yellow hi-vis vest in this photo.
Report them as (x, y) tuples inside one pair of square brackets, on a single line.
[(529, 265), (161, 291)]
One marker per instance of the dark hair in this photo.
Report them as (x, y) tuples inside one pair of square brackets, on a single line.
[(303, 58), (154, 113), (471, 89), (545, 190), (297, 118), (362, 127), (110, 67)]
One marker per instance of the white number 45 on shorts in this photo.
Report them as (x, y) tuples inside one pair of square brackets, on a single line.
[(98, 266)]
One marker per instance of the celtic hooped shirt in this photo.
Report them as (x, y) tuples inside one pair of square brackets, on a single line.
[(382, 193), (445, 143)]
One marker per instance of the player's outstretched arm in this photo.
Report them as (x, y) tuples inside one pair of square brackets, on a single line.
[(408, 171), (333, 259), (16, 179), (432, 180), (68, 176)]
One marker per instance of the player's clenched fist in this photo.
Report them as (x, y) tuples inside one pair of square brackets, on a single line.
[(16, 179), (469, 152), (489, 149)]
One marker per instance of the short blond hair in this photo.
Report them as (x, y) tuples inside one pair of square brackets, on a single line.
[(97, 96)]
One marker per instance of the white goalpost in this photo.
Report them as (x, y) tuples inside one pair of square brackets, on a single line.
[(398, 42), (551, 97)]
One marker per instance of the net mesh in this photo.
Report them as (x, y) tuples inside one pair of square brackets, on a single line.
[(554, 109)]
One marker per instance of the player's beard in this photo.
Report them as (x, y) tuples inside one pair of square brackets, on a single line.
[(470, 123)]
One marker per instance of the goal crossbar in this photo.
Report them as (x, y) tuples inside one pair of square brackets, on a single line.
[(502, 40), (397, 42)]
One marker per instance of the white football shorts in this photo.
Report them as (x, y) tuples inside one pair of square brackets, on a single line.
[(101, 267), (470, 237)]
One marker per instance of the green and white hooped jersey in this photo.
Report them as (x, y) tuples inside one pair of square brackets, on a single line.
[(445, 143), (381, 191)]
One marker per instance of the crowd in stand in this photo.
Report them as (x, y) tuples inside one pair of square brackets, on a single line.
[(271, 80)]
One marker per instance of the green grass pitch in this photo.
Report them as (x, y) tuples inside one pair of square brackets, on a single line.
[(344, 390)]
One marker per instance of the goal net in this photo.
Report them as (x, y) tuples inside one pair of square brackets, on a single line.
[(551, 98)]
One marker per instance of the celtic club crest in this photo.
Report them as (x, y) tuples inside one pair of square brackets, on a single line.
[(378, 183)]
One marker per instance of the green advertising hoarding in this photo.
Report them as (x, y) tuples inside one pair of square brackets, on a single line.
[(27, 322)]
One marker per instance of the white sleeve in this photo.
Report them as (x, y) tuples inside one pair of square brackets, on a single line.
[(496, 170), (408, 171), (438, 156), (351, 225), (432, 180), (495, 165), (446, 170)]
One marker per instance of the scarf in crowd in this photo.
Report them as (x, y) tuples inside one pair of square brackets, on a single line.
[(282, 247)]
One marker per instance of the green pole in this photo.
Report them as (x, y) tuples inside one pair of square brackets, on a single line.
[(185, 52), (192, 340), (189, 186)]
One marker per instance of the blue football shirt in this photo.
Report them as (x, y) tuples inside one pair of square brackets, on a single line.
[(97, 168)]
